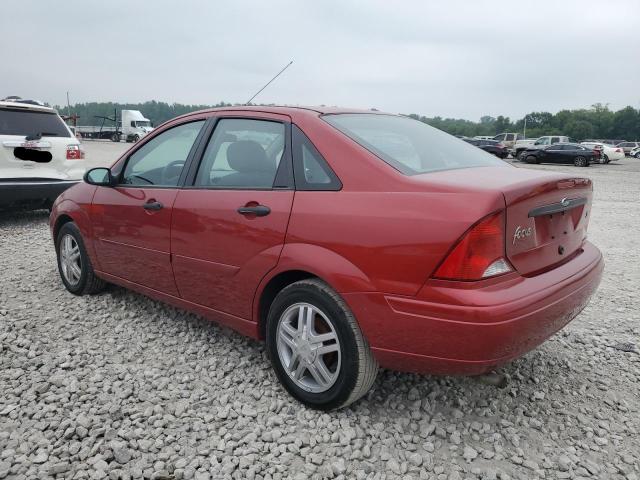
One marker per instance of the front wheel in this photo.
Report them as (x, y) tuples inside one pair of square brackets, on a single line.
[(580, 162), (74, 264), (531, 159), (637, 155), (604, 159), (316, 347)]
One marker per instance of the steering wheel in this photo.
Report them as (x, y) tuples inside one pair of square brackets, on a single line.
[(171, 172)]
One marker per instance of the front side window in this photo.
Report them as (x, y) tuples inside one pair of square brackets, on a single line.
[(242, 153), (410, 146), (159, 162)]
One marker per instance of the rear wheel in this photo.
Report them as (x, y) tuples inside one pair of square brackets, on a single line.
[(115, 137), (580, 162), (316, 347), (74, 264)]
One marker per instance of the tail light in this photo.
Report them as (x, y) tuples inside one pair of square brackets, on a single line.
[(479, 254), (75, 152)]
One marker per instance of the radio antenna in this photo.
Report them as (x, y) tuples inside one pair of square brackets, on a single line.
[(267, 84)]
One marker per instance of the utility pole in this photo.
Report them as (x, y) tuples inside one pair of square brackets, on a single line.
[(68, 105), (525, 127)]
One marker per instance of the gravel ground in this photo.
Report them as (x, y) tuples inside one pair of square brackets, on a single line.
[(119, 386)]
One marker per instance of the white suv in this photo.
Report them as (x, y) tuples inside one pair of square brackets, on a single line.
[(39, 156)]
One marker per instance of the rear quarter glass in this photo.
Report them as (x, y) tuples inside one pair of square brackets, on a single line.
[(410, 146)]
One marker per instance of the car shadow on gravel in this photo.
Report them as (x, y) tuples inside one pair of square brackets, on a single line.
[(396, 389), (22, 217)]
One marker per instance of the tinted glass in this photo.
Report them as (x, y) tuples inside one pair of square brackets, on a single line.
[(29, 122), (242, 154), (159, 162), (410, 146)]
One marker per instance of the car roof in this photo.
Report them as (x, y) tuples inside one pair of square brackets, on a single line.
[(291, 110), (25, 106)]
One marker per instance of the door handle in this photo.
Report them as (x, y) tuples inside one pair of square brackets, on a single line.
[(153, 205), (258, 210)]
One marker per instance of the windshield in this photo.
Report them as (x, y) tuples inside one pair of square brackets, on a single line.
[(31, 122), (143, 123), (410, 146)]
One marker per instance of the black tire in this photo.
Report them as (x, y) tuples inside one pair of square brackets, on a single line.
[(88, 283), (580, 162), (520, 155), (136, 138), (531, 159), (358, 368), (605, 159), (115, 137), (637, 155)]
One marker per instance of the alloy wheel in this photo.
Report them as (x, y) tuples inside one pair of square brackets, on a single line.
[(308, 347), (70, 261)]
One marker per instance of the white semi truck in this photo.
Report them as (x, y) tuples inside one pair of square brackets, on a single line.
[(131, 126)]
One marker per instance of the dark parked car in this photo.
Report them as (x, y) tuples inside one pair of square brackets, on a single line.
[(578, 155), (492, 146)]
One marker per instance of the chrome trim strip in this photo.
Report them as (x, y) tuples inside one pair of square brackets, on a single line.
[(61, 182), (562, 206)]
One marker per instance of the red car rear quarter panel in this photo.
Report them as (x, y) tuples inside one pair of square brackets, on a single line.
[(396, 239)]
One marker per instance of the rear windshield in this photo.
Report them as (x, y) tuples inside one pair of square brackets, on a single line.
[(29, 122), (410, 146)]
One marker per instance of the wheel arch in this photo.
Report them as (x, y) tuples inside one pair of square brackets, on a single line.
[(301, 261), (60, 221)]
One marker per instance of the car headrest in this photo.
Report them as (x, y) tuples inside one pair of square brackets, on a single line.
[(247, 156)]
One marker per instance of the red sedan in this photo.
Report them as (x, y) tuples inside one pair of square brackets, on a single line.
[(348, 240)]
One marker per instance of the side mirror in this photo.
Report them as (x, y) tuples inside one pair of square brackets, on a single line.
[(99, 176)]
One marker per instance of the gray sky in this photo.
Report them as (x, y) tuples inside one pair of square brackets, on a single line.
[(450, 58)]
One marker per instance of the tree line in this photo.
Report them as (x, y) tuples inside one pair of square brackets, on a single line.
[(595, 122)]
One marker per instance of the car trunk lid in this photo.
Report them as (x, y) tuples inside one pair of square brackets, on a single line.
[(547, 213), (34, 143), (547, 223)]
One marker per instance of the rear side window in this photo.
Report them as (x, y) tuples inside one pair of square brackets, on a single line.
[(30, 122), (242, 153), (410, 146)]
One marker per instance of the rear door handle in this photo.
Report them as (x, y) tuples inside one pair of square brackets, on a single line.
[(153, 205), (258, 211)]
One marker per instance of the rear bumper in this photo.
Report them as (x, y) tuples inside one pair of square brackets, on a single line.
[(29, 191), (452, 328)]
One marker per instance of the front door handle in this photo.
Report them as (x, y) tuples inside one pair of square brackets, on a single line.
[(258, 211), (153, 205)]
